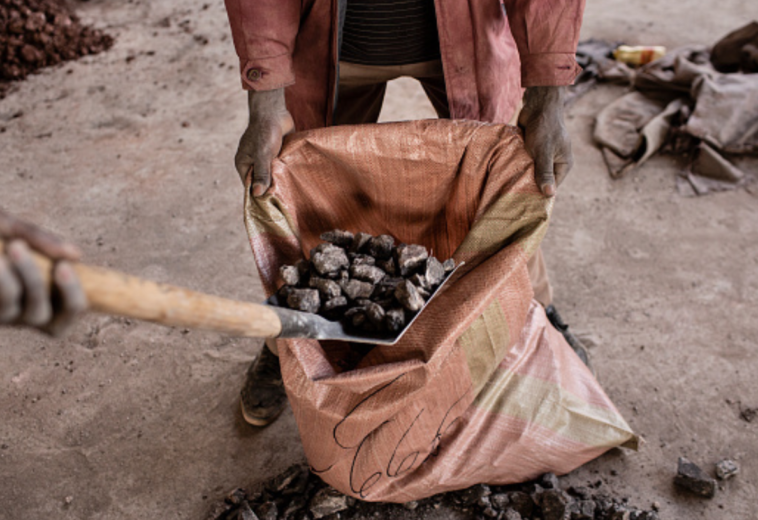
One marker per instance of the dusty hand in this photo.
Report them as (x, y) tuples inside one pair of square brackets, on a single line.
[(545, 136), (25, 299), (262, 141)]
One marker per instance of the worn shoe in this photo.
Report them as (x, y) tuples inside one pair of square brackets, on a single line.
[(263, 398), (574, 342)]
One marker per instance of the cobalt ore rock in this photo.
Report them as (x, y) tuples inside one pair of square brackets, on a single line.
[(364, 281)]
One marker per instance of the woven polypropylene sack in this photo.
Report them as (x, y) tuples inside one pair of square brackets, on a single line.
[(481, 388)]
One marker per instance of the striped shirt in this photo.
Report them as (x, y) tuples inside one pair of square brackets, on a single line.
[(389, 32)]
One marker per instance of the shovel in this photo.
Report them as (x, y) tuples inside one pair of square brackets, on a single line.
[(112, 292)]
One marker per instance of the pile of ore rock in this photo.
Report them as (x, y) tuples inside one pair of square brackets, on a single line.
[(298, 494), (365, 281), (39, 33)]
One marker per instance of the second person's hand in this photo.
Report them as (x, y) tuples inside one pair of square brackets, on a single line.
[(25, 298), (262, 141)]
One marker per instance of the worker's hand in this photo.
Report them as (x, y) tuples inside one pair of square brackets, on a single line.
[(25, 299), (545, 136), (262, 141)]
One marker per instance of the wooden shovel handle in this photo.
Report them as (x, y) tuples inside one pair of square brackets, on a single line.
[(112, 292)]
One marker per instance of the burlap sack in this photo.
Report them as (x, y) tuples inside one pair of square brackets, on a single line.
[(481, 388)]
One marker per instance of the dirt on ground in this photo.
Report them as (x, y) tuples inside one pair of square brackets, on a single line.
[(41, 33), (129, 154)]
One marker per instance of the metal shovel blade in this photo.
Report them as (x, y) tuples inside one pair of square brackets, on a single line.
[(297, 324)]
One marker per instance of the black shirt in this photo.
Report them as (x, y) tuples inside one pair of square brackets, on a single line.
[(389, 32)]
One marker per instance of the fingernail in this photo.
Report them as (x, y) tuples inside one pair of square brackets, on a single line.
[(548, 189), (64, 273), (258, 190), (15, 250)]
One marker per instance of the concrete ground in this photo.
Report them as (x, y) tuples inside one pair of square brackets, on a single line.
[(129, 154)]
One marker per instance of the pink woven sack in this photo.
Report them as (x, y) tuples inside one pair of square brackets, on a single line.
[(481, 388)]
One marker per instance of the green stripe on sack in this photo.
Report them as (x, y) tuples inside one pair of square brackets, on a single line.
[(485, 343), (268, 215), (556, 409), (514, 217)]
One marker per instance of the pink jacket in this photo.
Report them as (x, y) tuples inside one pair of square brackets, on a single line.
[(490, 50)]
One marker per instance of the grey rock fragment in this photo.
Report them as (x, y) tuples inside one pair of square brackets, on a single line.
[(385, 303), (329, 289), (581, 510), (289, 274), (408, 296), (475, 493), (244, 512), (621, 514), (321, 248), (367, 273), (381, 247), (500, 500), (327, 501), (267, 511), (419, 281), (306, 300), (388, 266), (358, 259), (334, 303), (296, 503), (283, 293), (726, 469), (410, 257), (434, 272), (386, 288), (747, 413), (360, 243), (375, 314), (489, 512), (338, 237), (586, 509), (448, 265), (359, 319), (283, 480), (554, 504), (521, 502), (355, 289), (549, 481), (691, 478), (411, 506), (236, 496), (329, 259), (394, 320), (648, 515), (511, 514)]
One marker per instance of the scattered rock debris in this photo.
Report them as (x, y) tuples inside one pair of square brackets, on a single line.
[(364, 281), (726, 469), (298, 494), (747, 413), (40, 33), (691, 478)]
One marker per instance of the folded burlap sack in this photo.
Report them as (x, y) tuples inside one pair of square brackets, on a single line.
[(481, 388)]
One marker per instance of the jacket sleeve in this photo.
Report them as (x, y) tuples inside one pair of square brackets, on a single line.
[(546, 34), (264, 33)]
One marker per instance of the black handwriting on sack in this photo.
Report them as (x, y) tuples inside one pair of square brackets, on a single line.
[(406, 461)]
